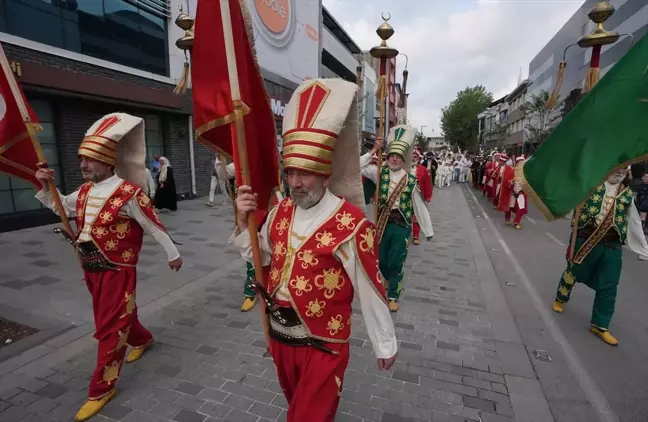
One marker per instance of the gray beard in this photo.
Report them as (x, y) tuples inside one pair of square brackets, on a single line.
[(311, 199)]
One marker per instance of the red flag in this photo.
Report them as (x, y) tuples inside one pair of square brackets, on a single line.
[(213, 109), (18, 123)]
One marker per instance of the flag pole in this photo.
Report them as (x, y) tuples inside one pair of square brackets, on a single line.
[(15, 90), (243, 164)]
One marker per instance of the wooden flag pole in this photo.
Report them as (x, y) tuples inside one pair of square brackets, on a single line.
[(15, 90), (243, 164), (382, 96)]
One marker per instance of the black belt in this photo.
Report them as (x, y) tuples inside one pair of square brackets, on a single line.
[(92, 260), (396, 217), (610, 239)]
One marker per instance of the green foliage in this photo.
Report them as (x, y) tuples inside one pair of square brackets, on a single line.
[(421, 141), (539, 118), (459, 119)]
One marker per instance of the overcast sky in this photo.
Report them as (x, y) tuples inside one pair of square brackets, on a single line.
[(452, 44)]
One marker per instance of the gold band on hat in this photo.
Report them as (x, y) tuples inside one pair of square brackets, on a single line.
[(309, 150), (99, 148), (398, 147)]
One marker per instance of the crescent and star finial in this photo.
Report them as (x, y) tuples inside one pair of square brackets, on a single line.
[(386, 18)]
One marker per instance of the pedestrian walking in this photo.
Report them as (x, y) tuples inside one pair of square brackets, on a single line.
[(112, 213), (166, 196)]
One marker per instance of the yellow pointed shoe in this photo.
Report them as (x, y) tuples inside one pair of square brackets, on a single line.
[(416, 242), (508, 223), (517, 226), (558, 307), (605, 336), (248, 304), (393, 306), (137, 353), (92, 407)]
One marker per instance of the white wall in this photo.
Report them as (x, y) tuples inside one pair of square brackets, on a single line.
[(337, 50)]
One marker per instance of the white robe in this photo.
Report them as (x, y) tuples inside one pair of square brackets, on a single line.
[(377, 318)]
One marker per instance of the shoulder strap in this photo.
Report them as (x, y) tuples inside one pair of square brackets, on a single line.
[(384, 213)]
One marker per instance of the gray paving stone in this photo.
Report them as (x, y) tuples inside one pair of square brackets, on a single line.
[(448, 346), (165, 410), (24, 399), (42, 405), (490, 417), (189, 402), (345, 417), (189, 416), (480, 404), (238, 324), (213, 394), (411, 346), (240, 416), (494, 397), (407, 377), (499, 388), (449, 322), (238, 402), (207, 350), (52, 391), (4, 405), (9, 393), (474, 382), (265, 410), (13, 414), (216, 410), (490, 377), (254, 393), (32, 384), (141, 403), (115, 411), (189, 388), (168, 370)]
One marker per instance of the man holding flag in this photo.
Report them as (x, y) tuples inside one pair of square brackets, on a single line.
[(597, 141)]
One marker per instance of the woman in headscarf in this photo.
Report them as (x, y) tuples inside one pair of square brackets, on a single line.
[(165, 196)]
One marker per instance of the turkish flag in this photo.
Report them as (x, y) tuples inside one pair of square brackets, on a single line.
[(18, 123), (213, 109)]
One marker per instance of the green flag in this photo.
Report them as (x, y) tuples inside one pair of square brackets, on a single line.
[(607, 130)]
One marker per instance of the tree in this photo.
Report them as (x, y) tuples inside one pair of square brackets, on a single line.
[(459, 119), (539, 118), (498, 132), (421, 141)]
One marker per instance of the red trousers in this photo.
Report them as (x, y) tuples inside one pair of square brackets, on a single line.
[(310, 379), (518, 215), (116, 323), (416, 228)]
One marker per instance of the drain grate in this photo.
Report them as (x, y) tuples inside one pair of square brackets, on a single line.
[(542, 355)]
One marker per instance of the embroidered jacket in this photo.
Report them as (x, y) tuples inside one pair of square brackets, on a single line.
[(406, 204), (320, 289), (619, 206), (118, 236)]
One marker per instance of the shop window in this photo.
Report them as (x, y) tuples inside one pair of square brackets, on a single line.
[(154, 144), (16, 195), (113, 30)]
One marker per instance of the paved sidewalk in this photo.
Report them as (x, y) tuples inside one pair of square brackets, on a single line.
[(460, 353)]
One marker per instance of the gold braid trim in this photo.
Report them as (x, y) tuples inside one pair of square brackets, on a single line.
[(594, 239), (384, 215)]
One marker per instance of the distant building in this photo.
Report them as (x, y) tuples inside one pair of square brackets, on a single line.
[(436, 143), (514, 143), (493, 125)]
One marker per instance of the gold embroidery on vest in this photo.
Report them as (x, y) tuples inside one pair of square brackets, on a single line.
[(111, 372), (282, 226), (81, 197), (122, 229), (307, 259), (368, 238), (127, 255), (99, 232), (315, 308), (123, 339), (345, 221), (330, 281), (279, 250), (105, 217), (301, 284), (126, 188), (144, 200), (275, 274), (111, 245), (287, 204), (335, 325), (116, 203), (569, 278), (325, 239)]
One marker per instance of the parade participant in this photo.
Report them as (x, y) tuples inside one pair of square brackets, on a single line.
[(496, 178), (322, 252), (491, 167), (423, 179), (369, 187), (112, 212), (399, 199), (518, 202), (474, 171), (505, 185), (608, 220)]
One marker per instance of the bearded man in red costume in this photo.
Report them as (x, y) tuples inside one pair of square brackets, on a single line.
[(496, 177), (112, 213), (425, 184), (322, 252), (518, 203), (505, 184)]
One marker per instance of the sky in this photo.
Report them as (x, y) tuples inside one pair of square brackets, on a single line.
[(452, 44)]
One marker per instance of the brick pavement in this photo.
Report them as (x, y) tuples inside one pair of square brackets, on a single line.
[(208, 364)]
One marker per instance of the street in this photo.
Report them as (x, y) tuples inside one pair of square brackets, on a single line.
[(620, 374)]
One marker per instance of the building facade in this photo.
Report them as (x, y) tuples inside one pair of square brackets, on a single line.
[(631, 17), (493, 125), (79, 60), (516, 137)]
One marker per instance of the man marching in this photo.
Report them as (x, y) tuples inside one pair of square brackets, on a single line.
[(608, 220), (112, 212), (505, 184), (487, 181), (497, 177), (399, 199), (518, 203), (423, 178), (322, 252)]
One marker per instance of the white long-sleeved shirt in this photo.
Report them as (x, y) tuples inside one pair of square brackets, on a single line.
[(97, 196), (380, 326), (370, 171), (635, 238)]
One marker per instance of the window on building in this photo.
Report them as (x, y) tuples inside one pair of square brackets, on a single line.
[(113, 30), (16, 195), (154, 144)]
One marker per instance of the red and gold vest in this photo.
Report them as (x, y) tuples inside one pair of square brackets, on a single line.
[(320, 289), (118, 236)]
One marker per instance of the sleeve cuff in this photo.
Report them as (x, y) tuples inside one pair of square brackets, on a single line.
[(387, 349)]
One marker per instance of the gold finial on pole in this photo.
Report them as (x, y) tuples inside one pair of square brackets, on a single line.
[(184, 43)]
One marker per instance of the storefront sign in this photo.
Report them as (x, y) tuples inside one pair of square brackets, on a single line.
[(278, 108), (16, 68), (278, 20)]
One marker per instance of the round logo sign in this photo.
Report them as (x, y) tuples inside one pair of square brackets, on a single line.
[(3, 108), (275, 20)]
